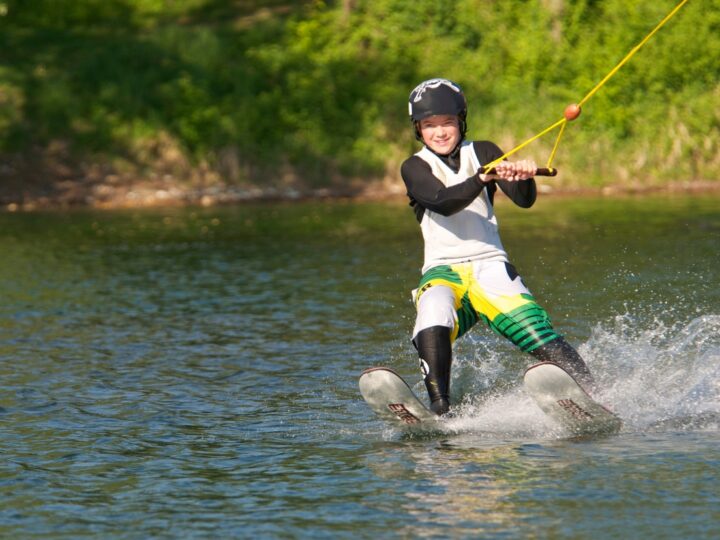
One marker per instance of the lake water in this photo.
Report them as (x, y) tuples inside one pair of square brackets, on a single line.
[(192, 373)]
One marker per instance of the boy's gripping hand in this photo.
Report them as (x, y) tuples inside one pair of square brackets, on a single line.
[(511, 170), (516, 170)]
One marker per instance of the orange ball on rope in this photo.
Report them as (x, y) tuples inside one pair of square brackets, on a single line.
[(572, 111)]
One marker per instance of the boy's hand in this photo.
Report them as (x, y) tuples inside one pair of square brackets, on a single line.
[(514, 171)]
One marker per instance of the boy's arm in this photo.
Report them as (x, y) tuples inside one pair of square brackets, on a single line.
[(521, 192), (426, 190)]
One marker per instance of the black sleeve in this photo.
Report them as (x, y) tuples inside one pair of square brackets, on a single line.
[(522, 193), (427, 191)]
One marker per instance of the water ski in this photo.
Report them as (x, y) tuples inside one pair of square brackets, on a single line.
[(559, 395), (392, 399)]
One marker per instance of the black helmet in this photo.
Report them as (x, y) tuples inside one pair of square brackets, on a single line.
[(437, 96)]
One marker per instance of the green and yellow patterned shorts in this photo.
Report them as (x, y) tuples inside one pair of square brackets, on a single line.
[(459, 295)]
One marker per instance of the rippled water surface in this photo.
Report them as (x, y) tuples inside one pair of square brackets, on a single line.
[(190, 373)]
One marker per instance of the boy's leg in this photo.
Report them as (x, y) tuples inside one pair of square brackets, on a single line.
[(432, 337), (500, 295)]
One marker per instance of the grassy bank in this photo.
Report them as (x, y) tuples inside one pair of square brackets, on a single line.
[(100, 98)]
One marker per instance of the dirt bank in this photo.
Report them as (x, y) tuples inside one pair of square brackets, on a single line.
[(31, 193)]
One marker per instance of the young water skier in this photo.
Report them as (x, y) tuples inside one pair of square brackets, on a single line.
[(466, 275)]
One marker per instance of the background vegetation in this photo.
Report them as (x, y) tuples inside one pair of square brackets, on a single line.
[(305, 95)]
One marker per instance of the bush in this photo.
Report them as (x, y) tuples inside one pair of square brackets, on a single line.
[(316, 92)]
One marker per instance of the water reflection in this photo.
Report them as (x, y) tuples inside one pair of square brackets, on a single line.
[(469, 487)]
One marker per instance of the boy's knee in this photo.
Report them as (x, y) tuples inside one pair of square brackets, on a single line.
[(436, 307)]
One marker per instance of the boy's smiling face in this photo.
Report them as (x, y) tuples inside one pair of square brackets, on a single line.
[(441, 133)]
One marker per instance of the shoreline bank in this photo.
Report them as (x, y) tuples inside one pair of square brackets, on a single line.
[(151, 195)]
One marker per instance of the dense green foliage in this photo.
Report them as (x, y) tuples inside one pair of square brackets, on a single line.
[(313, 93)]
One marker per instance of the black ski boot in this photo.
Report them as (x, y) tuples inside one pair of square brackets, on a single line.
[(563, 354), (435, 351)]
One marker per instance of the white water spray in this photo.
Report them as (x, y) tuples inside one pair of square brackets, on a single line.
[(656, 377)]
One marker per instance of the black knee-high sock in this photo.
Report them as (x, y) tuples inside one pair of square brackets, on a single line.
[(435, 351), (562, 353)]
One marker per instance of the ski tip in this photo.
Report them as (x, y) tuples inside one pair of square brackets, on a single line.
[(378, 368), (541, 364)]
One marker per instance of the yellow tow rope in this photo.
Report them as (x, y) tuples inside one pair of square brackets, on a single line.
[(573, 111)]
